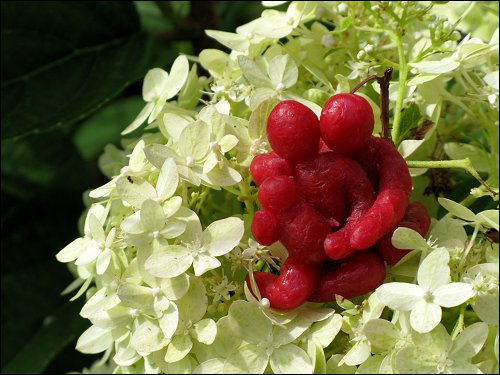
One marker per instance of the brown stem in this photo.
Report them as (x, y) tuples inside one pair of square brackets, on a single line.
[(384, 82)]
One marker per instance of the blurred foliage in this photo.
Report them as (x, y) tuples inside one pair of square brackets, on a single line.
[(71, 81)]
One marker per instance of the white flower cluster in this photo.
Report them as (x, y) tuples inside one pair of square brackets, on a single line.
[(166, 246)]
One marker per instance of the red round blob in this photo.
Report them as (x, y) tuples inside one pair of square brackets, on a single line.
[(277, 193), (346, 123), (265, 227), (267, 165), (292, 287), (359, 274), (293, 131)]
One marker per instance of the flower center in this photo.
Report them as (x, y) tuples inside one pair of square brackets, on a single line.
[(190, 161)]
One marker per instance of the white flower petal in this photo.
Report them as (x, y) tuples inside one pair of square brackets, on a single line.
[(290, 359), (400, 296), (168, 180), (453, 294), (223, 235), (171, 262), (203, 263), (425, 316), (434, 271)]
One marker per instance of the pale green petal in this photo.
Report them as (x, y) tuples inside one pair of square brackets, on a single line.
[(139, 120), (486, 308), (211, 366), (260, 95), (102, 262), (434, 271), (230, 40), (132, 224), (400, 296), (224, 176), (227, 143), (258, 119), (171, 262), (425, 316), (478, 156), (488, 218), (148, 337), (185, 366), (171, 206), (371, 365), (157, 154), (178, 348), (203, 263), (222, 236), (253, 73), (457, 209), (436, 67), (175, 287), (411, 361), (214, 60), (135, 296), (169, 321), (210, 163), (94, 340), (406, 238), (248, 322), (204, 331), (135, 191), (101, 300), (173, 229), (453, 294), (90, 254), (177, 77), (96, 230), (117, 316), (357, 354), (325, 331), (193, 305), (194, 140), (154, 84), (332, 366), (168, 180), (226, 340), (193, 226), (462, 367), (448, 229), (469, 342), (73, 250), (126, 356), (249, 359), (152, 216), (290, 359), (174, 124), (282, 69), (381, 333), (284, 335), (190, 93)]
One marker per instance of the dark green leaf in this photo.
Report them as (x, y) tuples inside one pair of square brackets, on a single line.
[(151, 17), (62, 61), (409, 120), (58, 330), (105, 126)]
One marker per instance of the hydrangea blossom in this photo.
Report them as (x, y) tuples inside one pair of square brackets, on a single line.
[(166, 247)]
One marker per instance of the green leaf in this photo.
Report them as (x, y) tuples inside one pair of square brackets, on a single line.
[(58, 330), (76, 41), (409, 119)]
